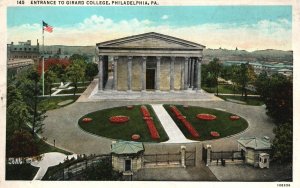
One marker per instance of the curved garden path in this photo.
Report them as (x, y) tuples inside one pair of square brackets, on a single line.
[(61, 125)]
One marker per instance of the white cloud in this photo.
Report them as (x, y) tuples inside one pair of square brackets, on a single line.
[(165, 17), (262, 35)]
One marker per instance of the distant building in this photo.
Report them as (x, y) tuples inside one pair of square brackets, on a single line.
[(23, 50), (270, 68)]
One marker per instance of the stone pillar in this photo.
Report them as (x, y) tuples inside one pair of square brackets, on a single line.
[(172, 74), (182, 76), (115, 59), (192, 73), (129, 73), (100, 68), (143, 77), (208, 147), (186, 63), (157, 75), (189, 73), (199, 61), (182, 151)]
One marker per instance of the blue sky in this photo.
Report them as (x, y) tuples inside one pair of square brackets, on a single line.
[(202, 21)]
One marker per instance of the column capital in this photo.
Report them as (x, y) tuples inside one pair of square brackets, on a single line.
[(199, 59), (101, 57), (158, 58), (129, 58), (144, 58), (173, 58), (186, 58), (115, 58)]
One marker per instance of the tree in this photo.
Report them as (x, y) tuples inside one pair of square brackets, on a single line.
[(74, 57), (91, 71), (50, 77), (214, 68), (76, 72), (277, 93), (21, 145), (282, 145)]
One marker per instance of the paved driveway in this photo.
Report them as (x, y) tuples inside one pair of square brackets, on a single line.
[(61, 125)]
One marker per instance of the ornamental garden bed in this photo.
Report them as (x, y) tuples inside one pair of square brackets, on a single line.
[(223, 125), (101, 125)]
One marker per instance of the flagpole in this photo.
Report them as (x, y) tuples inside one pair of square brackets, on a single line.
[(43, 64)]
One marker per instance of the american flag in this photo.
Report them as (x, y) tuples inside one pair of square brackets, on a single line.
[(47, 27)]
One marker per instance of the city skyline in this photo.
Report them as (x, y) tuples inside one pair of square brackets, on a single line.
[(246, 27)]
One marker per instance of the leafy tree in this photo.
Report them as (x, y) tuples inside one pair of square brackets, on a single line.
[(226, 72), (103, 170), (76, 72), (277, 93), (50, 77), (21, 145), (74, 57), (282, 145), (29, 85), (91, 71), (214, 68)]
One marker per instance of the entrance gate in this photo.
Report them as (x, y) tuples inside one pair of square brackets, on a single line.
[(150, 79)]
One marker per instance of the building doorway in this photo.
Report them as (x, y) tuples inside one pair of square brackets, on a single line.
[(150, 79), (128, 165)]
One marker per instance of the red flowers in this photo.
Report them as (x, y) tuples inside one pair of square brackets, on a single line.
[(185, 122), (214, 134), (135, 137), (145, 111), (149, 121), (207, 117), (234, 117), (119, 119), (87, 120)]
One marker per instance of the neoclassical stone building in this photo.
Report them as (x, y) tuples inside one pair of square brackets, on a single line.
[(150, 62)]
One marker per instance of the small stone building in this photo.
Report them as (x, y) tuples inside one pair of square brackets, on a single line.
[(127, 156), (252, 147)]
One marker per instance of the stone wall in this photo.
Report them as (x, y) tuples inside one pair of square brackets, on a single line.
[(122, 73), (136, 73), (165, 74)]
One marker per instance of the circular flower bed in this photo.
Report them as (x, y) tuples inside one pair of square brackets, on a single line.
[(234, 117), (214, 134), (135, 137), (87, 120), (207, 117), (119, 119)]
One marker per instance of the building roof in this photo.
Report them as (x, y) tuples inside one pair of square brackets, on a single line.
[(127, 147), (256, 143)]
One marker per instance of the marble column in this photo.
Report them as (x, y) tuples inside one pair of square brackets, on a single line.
[(192, 73), (143, 77), (115, 59), (100, 68), (182, 76), (172, 74), (157, 75), (129, 73), (199, 61), (186, 63)]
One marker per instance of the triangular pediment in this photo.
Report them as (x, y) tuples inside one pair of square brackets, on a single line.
[(151, 41)]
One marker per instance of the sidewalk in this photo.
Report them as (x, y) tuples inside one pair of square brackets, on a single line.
[(174, 133)]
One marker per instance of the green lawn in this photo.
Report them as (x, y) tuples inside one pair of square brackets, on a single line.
[(71, 91), (226, 89), (222, 124), (256, 101), (20, 172), (44, 147), (50, 103), (136, 125)]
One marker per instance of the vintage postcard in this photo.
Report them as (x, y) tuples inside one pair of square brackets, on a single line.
[(149, 92)]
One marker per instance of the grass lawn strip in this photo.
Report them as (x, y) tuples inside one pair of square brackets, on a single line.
[(255, 101), (50, 103), (100, 125), (222, 124)]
